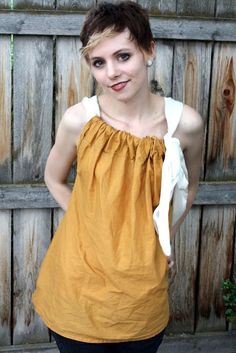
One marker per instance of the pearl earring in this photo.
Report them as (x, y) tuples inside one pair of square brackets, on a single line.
[(149, 62)]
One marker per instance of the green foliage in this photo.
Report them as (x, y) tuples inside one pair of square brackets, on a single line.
[(229, 297)]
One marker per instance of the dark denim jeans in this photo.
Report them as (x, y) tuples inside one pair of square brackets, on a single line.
[(149, 345)]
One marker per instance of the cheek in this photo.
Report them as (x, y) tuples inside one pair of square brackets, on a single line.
[(97, 75)]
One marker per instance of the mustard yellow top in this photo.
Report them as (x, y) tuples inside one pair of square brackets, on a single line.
[(104, 278)]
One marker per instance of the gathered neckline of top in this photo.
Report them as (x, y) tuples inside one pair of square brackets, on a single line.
[(135, 137), (128, 134)]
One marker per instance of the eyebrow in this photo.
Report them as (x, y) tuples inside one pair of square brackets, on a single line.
[(114, 54)]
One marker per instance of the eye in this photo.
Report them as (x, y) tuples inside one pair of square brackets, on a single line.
[(124, 56), (98, 63)]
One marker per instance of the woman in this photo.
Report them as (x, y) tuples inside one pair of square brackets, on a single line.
[(103, 284)]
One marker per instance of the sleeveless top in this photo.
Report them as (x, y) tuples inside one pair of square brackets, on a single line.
[(104, 277)]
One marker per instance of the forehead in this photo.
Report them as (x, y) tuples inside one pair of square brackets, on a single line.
[(112, 44)]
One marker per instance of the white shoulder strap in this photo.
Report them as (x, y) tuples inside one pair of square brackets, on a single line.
[(91, 107), (173, 112)]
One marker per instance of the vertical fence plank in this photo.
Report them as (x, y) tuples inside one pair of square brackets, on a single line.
[(226, 8), (33, 86), (221, 156), (5, 109), (5, 177), (158, 7), (31, 240), (196, 8), (191, 84), (5, 277), (67, 75), (216, 257), (5, 4), (160, 75), (67, 89), (183, 275)]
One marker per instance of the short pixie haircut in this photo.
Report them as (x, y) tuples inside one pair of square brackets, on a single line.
[(107, 19)]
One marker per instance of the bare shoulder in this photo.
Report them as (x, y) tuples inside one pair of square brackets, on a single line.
[(190, 128), (74, 118), (191, 121)]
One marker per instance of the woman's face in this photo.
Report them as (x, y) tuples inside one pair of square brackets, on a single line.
[(119, 66)]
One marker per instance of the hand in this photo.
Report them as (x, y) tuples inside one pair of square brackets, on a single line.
[(170, 261)]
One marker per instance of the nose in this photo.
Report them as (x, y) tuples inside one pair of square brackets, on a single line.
[(112, 70)]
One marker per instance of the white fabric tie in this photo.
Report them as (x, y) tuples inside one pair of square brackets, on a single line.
[(174, 183)]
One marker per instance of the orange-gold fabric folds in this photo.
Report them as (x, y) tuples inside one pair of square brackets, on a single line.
[(104, 277)]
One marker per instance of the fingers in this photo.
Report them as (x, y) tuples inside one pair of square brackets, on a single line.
[(170, 262)]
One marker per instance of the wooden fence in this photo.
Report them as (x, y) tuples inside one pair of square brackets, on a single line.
[(196, 61)]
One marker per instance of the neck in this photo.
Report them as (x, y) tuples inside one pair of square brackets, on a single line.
[(135, 109)]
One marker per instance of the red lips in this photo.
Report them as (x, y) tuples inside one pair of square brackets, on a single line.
[(119, 86)]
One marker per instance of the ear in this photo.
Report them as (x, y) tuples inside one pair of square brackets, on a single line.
[(151, 54), (153, 47)]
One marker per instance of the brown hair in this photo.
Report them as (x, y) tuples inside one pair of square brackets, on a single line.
[(118, 17)]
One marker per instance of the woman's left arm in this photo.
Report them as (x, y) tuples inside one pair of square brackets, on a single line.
[(190, 134)]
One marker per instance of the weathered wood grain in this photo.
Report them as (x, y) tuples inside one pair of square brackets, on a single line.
[(160, 74), (196, 8), (159, 7), (67, 75), (5, 109), (32, 233), (33, 87), (5, 4), (75, 5), (183, 275), (226, 8), (221, 156), (5, 177), (216, 256), (34, 4), (5, 277), (69, 24), (37, 195), (191, 82), (70, 76), (57, 217)]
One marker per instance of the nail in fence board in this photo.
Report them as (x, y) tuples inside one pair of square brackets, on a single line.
[(33, 87)]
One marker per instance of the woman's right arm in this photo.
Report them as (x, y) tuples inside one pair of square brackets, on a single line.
[(63, 154)]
